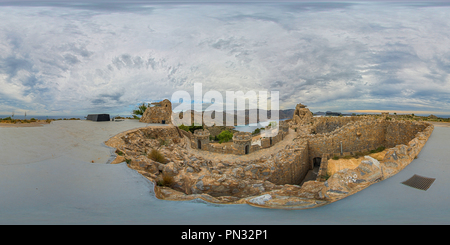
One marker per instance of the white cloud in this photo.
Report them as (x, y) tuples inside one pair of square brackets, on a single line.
[(342, 56)]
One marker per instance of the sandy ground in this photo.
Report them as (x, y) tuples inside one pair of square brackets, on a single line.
[(46, 177), (337, 165)]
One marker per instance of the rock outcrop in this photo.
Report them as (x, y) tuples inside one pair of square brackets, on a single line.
[(302, 115), (270, 181), (159, 112)]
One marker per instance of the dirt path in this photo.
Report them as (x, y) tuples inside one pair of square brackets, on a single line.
[(252, 156)]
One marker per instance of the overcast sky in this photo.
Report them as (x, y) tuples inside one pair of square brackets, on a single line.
[(66, 58)]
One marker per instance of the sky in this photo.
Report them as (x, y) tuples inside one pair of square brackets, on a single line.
[(76, 58)]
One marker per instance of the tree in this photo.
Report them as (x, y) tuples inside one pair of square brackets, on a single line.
[(224, 136), (141, 109), (273, 124)]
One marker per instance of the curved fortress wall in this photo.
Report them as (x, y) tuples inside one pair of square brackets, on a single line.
[(364, 135)]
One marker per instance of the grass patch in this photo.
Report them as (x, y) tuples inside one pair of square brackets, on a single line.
[(326, 176), (119, 153), (156, 156), (335, 158), (166, 180)]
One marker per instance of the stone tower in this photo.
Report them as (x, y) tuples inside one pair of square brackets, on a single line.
[(242, 142), (201, 138), (159, 112)]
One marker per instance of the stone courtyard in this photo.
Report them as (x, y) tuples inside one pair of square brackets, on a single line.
[(274, 177)]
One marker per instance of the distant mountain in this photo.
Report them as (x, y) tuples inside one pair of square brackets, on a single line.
[(282, 114)]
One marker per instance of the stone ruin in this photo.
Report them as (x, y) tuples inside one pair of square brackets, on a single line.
[(158, 112), (242, 141), (273, 179), (302, 115), (201, 139)]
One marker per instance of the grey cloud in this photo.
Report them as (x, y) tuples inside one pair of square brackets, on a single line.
[(103, 6), (116, 96), (107, 100), (71, 59), (11, 65), (98, 101), (127, 61)]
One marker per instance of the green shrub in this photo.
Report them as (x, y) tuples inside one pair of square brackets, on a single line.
[(335, 158), (257, 131), (326, 176), (140, 109), (183, 127), (225, 136), (380, 149)]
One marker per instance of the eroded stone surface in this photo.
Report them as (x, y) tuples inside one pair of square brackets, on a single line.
[(271, 178)]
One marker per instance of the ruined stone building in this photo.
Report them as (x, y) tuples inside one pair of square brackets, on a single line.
[(158, 112), (242, 141), (265, 175)]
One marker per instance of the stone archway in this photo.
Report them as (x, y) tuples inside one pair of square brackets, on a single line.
[(247, 150), (199, 144)]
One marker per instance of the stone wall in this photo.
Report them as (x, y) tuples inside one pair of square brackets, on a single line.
[(241, 140), (401, 132), (158, 112), (329, 124), (357, 136), (321, 175), (291, 165), (363, 135)]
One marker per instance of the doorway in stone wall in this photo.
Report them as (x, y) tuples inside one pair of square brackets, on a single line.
[(316, 162), (246, 149), (199, 144)]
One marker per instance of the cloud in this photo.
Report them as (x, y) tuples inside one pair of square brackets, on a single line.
[(85, 57)]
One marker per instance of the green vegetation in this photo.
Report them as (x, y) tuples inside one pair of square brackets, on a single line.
[(379, 149), (119, 153), (257, 131), (156, 156), (140, 110), (225, 136), (191, 128), (183, 127), (326, 176), (273, 124)]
